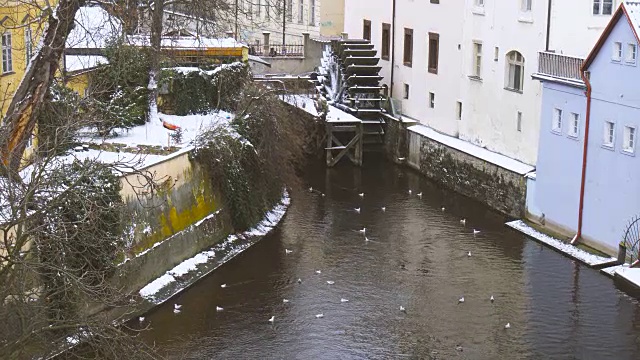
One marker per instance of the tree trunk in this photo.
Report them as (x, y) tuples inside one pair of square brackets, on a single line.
[(156, 52), (20, 119)]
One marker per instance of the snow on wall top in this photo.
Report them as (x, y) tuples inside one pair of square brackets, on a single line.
[(83, 62), (94, 26), (186, 42)]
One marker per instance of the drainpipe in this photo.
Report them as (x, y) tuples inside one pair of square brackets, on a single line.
[(585, 78), (548, 25), (392, 38)]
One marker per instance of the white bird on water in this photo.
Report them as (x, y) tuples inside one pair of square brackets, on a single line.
[(443, 209), (492, 299), (287, 251), (461, 300), (285, 301), (299, 281), (469, 254), (420, 195), (319, 316), (272, 319), (343, 300), (177, 306), (310, 189), (361, 195), (223, 286), (318, 271), (409, 192), (366, 239), (463, 221), (363, 230), (218, 308), (508, 326), (176, 311), (357, 210), (403, 309), (330, 282), (401, 159), (476, 232), (141, 318), (383, 209)]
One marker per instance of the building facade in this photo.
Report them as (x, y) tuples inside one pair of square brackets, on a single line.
[(609, 124), (464, 68)]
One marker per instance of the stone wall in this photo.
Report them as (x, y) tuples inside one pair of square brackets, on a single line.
[(500, 189)]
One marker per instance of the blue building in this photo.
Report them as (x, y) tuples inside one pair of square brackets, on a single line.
[(591, 192)]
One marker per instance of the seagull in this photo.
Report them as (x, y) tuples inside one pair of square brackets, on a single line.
[(363, 230), (322, 194), (420, 195), (469, 254), (461, 300), (403, 309), (223, 286), (475, 232), (492, 299), (343, 300), (310, 189), (357, 210), (401, 159), (176, 311), (318, 271), (330, 282), (409, 192), (366, 239), (271, 319), (383, 209), (443, 209), (141, 318), (218, 308), (463, 221), (299, 281), (361, 195), (508, 326), (287, 251), (319, 316), (177, 306), (284, 301)]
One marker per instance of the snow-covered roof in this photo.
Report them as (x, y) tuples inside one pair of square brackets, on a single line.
[(83, 62), (633, 10), (94, 26), (187, 42)]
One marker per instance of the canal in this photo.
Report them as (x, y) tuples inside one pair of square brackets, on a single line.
[(417, 257)]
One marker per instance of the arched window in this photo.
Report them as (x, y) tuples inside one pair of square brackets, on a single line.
[(515, 71)]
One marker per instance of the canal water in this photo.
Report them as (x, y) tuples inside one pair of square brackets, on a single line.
[(417, 257)]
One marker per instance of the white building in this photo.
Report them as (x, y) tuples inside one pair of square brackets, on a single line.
[(464, 67)]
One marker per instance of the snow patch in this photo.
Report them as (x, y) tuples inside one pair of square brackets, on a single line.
[(156, 285), (632, 275), (473, 150), (568, 249), (303, 102)]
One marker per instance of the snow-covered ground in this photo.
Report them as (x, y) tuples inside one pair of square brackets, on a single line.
[(231, 247), (154, 134), (567, 249)]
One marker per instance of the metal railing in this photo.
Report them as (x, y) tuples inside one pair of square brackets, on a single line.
[(562, 66), (277, 50)]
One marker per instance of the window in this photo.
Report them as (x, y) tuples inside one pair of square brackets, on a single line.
[(435, 1), (631, 54), (289, 10), (7, 60), (496, 53), (616, 55), (602, 7), (312, 13), (515, 71), (479, 3), (434, 44), (574, 126), (477, 60), (432, 100), (408, 47), (28, 44), (629, 139), (366, 30), (459, 110), (406, 91), (386, 36), (519, 121), (609, 133), (556, 125), (301, 12), (526, 5)]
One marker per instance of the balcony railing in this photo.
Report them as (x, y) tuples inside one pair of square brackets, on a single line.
[(277, 50), (560, 66)]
